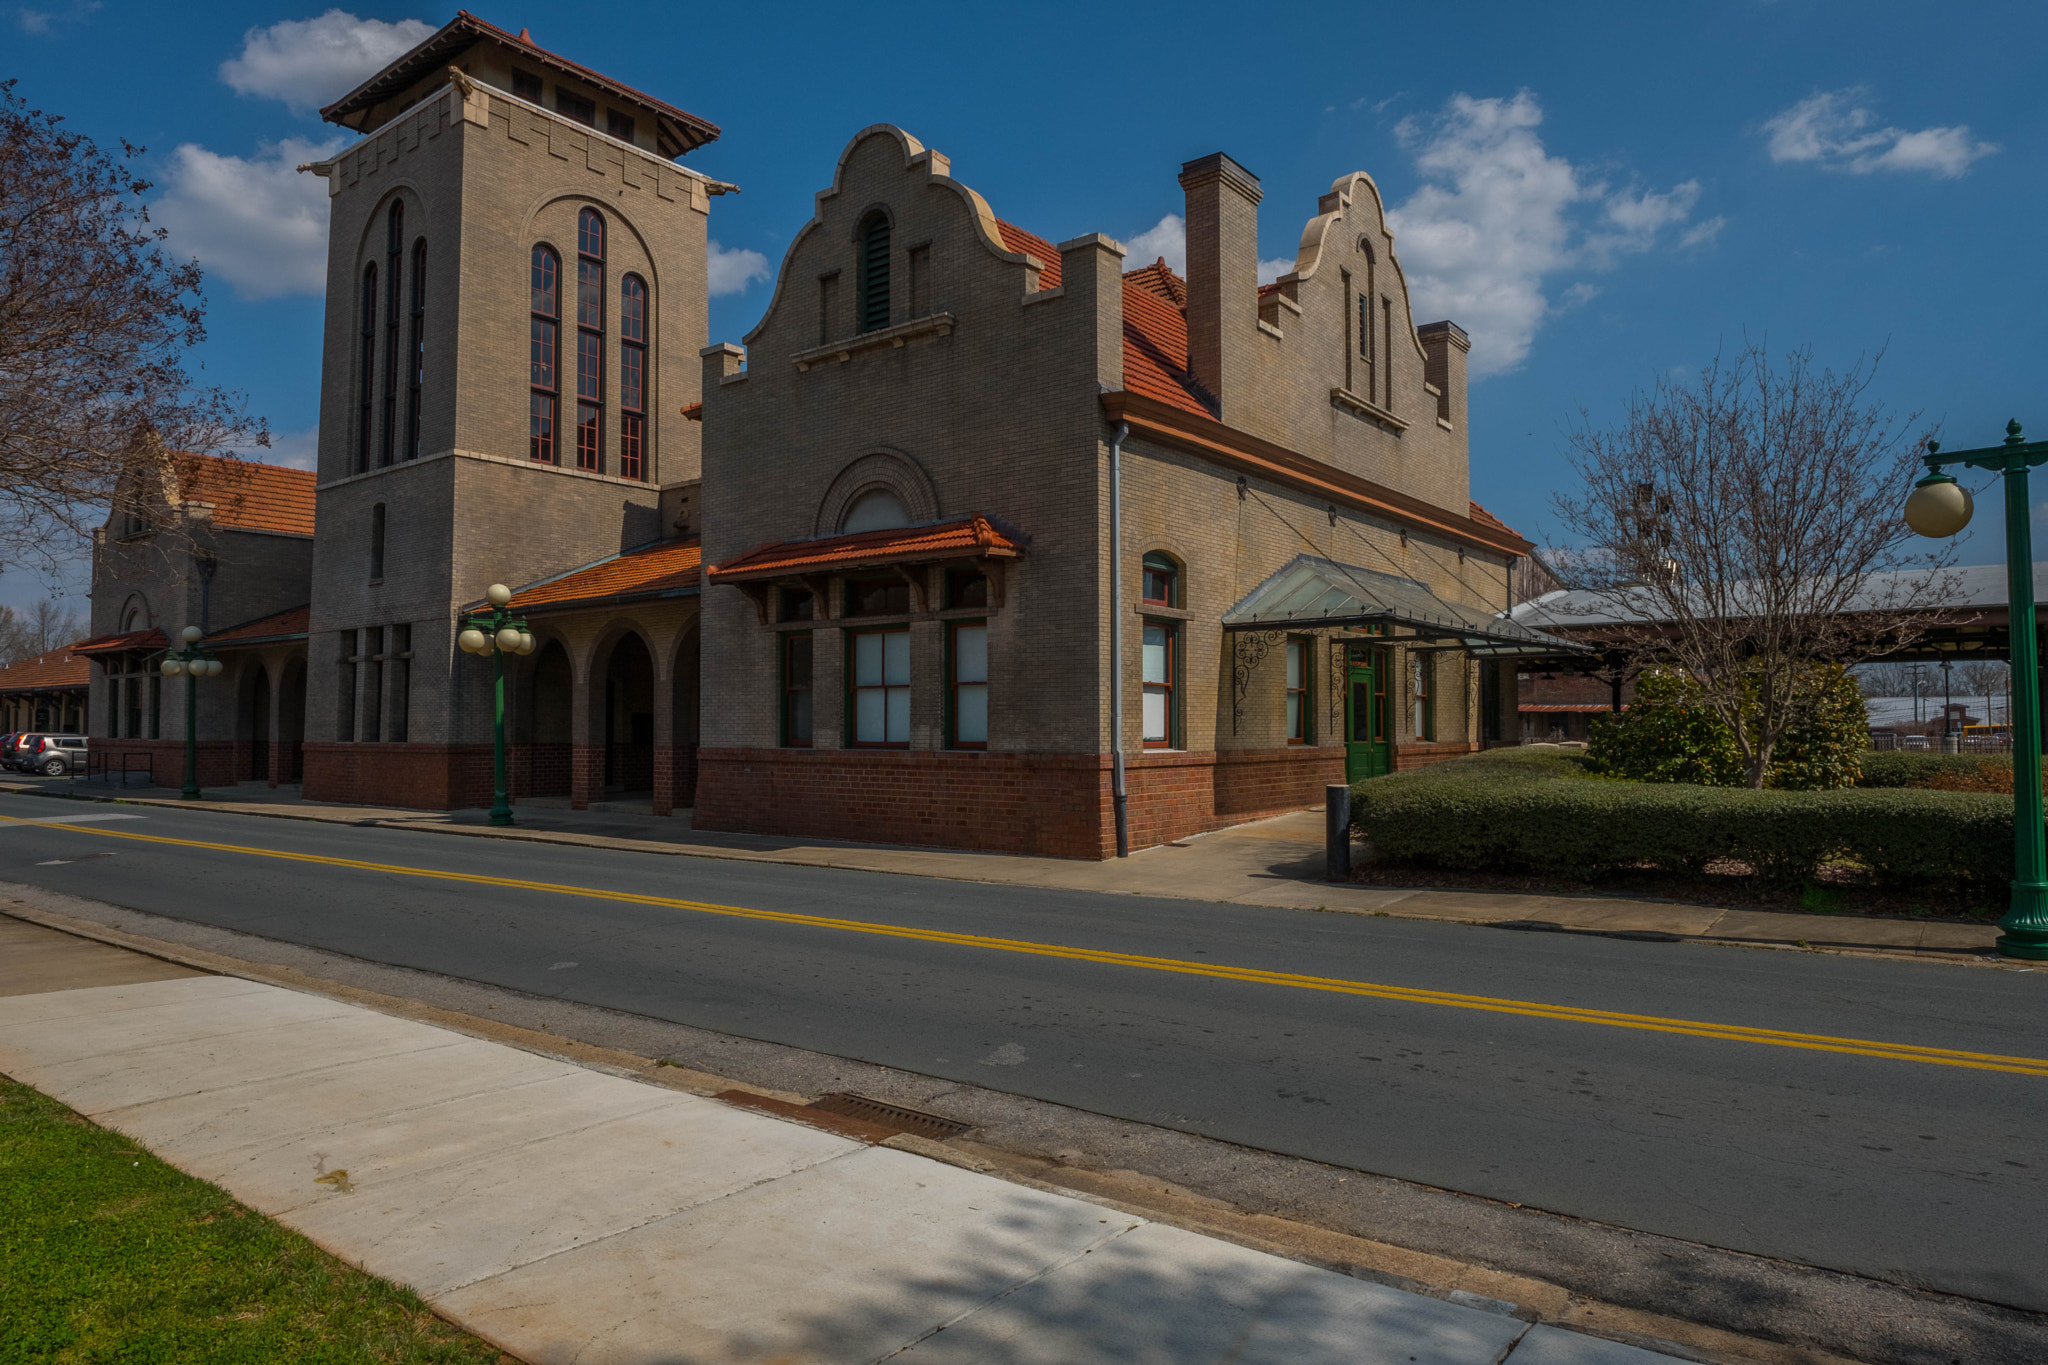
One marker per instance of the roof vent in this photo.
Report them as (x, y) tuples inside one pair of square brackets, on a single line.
[(525, 36)]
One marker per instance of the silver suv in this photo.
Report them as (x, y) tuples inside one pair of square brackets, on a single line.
[(50, 755)]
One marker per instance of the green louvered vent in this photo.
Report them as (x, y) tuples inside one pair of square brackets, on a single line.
[(874, 275)]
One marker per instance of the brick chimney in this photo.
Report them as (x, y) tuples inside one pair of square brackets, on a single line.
[(1223, 279), (1444, 347)]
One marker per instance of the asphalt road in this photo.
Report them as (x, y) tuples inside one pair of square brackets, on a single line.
[(1925, 1172)]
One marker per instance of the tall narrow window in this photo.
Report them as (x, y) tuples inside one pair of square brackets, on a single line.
[(377, 542), (545, 380), (1387, 350), (796, 690), (1350, 342), (1365, 331), (345, 693), (399, 683), (881, 687), (920, 260), (1297, 692), (589, 340), (1424, 666), (632, 377), (394, 299), (417, 365), (874, 274), (968, 663), (156, 707), (366, 369), (372, 728), (1160, 668)]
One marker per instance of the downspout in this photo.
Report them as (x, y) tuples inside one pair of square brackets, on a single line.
[(1119, 798)]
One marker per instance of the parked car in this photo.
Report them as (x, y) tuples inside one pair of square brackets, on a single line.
[(51, 755), (7, 743)]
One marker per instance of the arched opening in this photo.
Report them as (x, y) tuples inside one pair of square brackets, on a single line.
[(629, 717), (878, 509), (259, 726), (290, 702), (684, 695), (547, 723)]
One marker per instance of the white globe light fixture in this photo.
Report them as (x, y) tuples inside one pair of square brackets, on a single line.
[(191, 635), (173, 667), (473, 641), (495, 631), (1939, 507), (497, 594)]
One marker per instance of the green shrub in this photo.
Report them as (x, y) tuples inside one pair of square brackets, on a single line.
[(1545, 815), (1668, 735), (1904, 768)]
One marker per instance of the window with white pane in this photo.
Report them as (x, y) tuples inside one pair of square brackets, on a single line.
[(881, 687), (1297, 692), (1160, 664), (970, 685)]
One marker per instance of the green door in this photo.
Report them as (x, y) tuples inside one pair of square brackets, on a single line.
[(1367, 751)]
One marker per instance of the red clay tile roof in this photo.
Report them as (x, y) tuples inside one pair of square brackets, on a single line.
[(665, 568), (281, 625), (1031, 244), (1156, 340), (60, 668), (1159, 280), (1488, 519), (462, 32), (248, 494), (970, 537), (115, 644)]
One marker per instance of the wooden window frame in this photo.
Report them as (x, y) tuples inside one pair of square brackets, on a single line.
[(1171, 687), (1303, 731), (366, 365), (633, 330), (790, 690), (1422, 677), (953, 683), (394, 292), (618, 125), (576, 108), (417, 350), (591, 231), (529, 87), (1167, 565), (854, 689), (544, 400)]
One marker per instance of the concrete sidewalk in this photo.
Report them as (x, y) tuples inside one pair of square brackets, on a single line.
[(1274, 862), (570, 1215)]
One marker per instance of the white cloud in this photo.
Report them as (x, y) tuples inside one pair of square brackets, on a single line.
[(1703, 234), (1167, 240), (42, 22), (311, 62), (255, 222), (1496, 215), (294, 449), (1833, 130), (730, 272)]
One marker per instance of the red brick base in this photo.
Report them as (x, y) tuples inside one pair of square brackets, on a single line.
[(1418, 754), (1054, 805)]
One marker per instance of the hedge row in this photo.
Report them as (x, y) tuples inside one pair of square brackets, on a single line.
[(1904, 768), (1520, 812)]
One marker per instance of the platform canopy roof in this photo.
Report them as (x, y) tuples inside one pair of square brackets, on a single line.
[(1313, 593)]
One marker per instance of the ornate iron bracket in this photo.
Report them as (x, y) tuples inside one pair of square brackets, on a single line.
[(1249, 649)]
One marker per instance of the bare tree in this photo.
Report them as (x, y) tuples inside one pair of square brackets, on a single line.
[(95, 321), (1745, 526), (1989, 680)]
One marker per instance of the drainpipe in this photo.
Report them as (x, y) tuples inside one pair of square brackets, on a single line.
[(1119, 798)]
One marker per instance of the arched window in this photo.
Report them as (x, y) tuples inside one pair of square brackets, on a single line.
[(874, 274), (544, 379), (418, 351), (878, 509), (632, 377), (394, 247), (1162, 580), (1365, 331), (366, 368), (590, 341)]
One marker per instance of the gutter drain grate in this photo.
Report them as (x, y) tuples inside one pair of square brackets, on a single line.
[(892, 1115)]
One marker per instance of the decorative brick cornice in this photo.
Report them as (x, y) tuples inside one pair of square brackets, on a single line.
[(938, 324)]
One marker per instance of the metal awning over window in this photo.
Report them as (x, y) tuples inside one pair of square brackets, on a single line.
[(1316, 594)]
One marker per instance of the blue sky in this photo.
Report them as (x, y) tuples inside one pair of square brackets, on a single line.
[(1599, 193)]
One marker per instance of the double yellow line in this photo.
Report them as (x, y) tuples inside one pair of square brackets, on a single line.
[(1732, 1033)]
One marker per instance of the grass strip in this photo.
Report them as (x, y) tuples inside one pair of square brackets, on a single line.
[(109, 1255)]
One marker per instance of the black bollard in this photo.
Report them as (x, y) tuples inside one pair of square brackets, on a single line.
[(1337, 832)]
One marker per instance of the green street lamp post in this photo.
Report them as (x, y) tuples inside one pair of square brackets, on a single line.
[(497, 632), (1940, 507), (193, 661)]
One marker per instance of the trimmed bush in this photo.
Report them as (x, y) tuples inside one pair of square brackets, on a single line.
[(1544, 814), (1904, 768), (1667, 735)]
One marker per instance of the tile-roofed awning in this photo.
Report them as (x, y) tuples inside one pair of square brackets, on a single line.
[(56, 670), (264, 630), (1312, 593), (968, 538), (247, 494), (665, 568), (117, 644), (679, 131)]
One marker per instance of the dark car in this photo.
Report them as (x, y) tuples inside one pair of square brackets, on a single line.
[(50, 755), (7, 743)]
